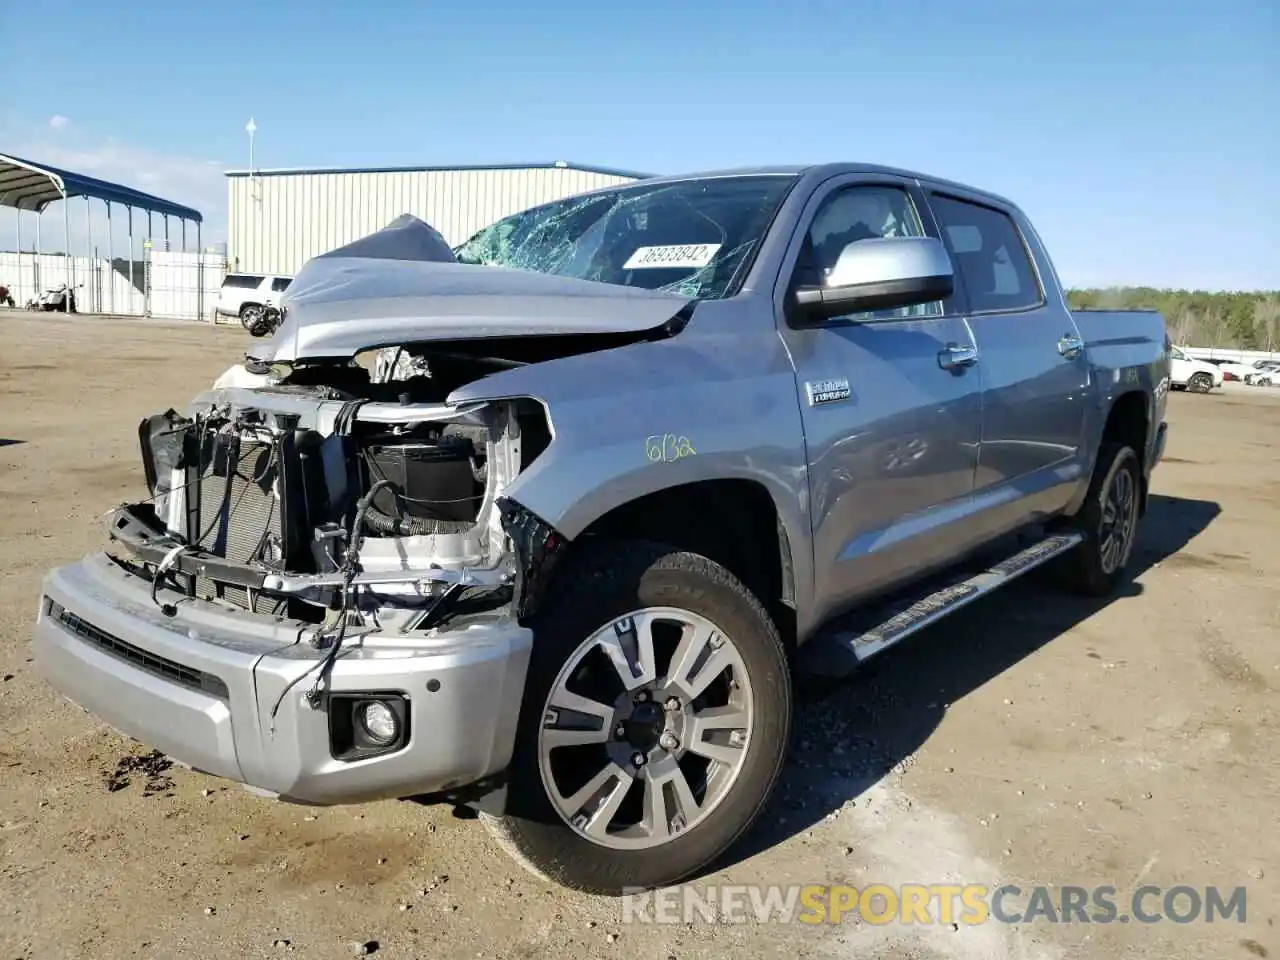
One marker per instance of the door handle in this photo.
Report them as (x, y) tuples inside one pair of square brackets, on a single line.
[(955, 356), (1070, 346)]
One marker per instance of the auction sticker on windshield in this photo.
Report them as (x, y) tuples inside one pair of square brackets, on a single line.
[(684, 255)]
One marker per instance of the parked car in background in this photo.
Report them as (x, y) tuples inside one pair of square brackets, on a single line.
[(246, 295), (1233, 370), (1188, 373), (1266, 372)]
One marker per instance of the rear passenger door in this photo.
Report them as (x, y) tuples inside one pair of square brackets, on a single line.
[(1035, 374)]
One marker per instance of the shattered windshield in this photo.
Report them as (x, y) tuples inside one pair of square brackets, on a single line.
[(692, 237)]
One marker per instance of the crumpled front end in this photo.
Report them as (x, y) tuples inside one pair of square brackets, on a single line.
[(323, 594), (320, 597)]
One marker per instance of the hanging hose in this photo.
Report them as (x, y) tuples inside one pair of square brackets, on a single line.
[(349, 562), (378, 522), (366, 515)]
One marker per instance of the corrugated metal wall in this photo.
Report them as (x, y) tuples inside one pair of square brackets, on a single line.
[(280, 220)]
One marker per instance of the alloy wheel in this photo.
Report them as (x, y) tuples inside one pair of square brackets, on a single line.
[(646, 728), (1119, 521)]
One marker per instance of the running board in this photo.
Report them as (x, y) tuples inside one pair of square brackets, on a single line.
[(849, 648)]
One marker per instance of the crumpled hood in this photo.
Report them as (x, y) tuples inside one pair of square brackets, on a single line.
[(402, 285)]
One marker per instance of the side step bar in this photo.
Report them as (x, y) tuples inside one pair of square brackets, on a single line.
[(850, 648)]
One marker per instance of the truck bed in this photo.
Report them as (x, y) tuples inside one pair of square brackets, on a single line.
[(1119, 328)]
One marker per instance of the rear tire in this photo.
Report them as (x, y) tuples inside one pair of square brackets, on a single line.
[(635, 799), (1200, 383), (1109, 522)]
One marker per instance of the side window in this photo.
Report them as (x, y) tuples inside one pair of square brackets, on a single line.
[(241, 281), (989, 254), (859, 213), (280, 284)]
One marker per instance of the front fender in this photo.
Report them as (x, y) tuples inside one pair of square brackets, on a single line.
[(642, 418)]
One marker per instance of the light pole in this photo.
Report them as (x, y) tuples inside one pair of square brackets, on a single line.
[(251, 128)]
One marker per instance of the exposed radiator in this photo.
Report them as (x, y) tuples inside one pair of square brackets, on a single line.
[(236, 512)]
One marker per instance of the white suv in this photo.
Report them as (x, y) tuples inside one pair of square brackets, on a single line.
[(244, 295), (1188, 373)]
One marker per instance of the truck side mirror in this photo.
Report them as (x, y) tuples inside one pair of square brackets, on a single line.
[(882, 273)]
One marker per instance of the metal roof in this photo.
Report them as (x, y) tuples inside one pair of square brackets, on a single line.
[(541, 165), (33, 186)]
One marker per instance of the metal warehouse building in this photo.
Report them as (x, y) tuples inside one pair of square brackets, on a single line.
[(278, 219)]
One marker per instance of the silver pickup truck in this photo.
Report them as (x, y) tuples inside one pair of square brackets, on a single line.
[(546, 526)]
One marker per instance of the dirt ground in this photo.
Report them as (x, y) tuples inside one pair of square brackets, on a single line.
[(1033, 739)]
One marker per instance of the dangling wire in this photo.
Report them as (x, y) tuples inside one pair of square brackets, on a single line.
[(349, 565)]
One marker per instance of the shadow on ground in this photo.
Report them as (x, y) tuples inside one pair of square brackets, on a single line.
[(6, 442), (847, 736)]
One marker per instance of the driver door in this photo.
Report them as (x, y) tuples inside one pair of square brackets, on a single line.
[(890, 403)]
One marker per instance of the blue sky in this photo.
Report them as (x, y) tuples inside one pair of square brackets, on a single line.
[(1143, 138)]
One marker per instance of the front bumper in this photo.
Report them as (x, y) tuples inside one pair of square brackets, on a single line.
[(201, 686)]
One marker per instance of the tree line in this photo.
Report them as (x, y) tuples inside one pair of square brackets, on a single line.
[(1198, 318)]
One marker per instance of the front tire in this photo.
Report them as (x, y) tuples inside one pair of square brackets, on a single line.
[(654, 725), (1109, 522)]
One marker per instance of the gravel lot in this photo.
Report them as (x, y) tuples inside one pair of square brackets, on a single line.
[(1035, 738)]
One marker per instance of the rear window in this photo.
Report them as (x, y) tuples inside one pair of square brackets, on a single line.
[(280, 284), (241, 281), (990, 255)]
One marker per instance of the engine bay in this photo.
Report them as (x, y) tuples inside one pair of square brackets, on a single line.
[(336, 488)]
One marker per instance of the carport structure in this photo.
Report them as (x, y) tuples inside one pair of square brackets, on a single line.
[(26, 185)]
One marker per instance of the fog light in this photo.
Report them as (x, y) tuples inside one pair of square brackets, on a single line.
[(370, 723), (378, 721)]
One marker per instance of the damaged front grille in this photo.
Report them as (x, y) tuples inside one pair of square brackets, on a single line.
[(284, 517)]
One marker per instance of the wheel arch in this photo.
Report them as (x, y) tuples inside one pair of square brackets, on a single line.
[(733, 521), (1129, 422)]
